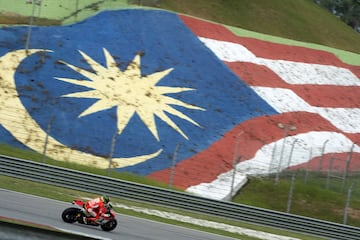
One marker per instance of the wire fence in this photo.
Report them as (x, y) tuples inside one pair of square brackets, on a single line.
[(290, 157), (314, 161)]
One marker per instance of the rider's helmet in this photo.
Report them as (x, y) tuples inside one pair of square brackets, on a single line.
[(105, 199)]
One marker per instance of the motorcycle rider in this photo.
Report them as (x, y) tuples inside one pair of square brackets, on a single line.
[(95, 208)]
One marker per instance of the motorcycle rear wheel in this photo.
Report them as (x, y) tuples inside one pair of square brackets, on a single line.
[(69, 215)]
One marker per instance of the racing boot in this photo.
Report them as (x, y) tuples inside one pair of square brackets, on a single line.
[(85, 220)]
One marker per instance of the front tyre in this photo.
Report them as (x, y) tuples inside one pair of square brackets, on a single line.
[(69, 215), (109, 226)]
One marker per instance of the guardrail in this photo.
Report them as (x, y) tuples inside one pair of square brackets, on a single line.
[(122, 189)]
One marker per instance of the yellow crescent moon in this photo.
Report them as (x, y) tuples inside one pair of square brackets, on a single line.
[(28, 132)]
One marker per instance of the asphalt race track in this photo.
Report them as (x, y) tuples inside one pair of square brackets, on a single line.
[(48, 212)]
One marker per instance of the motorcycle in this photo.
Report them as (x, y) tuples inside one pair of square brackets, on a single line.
[(107, 221)]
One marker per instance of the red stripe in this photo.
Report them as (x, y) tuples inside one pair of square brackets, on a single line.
[(265, 49), (315, 95), (202, 28), (208, 164)]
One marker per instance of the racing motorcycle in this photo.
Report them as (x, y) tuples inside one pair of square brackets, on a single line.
[(107, 221)]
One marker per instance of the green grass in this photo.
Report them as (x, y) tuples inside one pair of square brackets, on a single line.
[(34, 156), (294, 22), (300, 20), (67, 195), (310, 198), (59, 11)]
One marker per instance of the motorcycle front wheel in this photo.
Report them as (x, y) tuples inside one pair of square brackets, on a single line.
[(109, 226), (69, 215)]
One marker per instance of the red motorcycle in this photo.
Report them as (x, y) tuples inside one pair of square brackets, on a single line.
[(107, 221)]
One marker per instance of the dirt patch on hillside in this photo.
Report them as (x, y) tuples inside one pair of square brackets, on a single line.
[(353, 213), (10, 18)]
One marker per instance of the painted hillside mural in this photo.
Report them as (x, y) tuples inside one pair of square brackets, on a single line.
[(153, 92)]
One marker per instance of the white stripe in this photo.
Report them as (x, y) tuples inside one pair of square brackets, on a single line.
[(285, 100), (261, 163), (306, 73), (230, 52), (206, 223), (345, 119), (267, 161), (220, 187), (290, 71)]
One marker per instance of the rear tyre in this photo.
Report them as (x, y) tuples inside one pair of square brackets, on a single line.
[(69, 215), (109, 226)]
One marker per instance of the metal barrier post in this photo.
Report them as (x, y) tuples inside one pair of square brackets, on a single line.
[(347, 203), (173, 166), (290, 193), (112, 149), (286, 128)]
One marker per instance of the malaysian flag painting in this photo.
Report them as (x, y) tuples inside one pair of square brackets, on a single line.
[(176, 99)]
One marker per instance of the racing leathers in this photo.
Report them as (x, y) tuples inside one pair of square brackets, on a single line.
[(94, 209)]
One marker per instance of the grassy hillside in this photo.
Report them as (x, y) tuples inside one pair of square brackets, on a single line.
[(300, 20), (294, 19)]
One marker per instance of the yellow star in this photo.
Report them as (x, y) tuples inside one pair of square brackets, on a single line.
[(130, 92)]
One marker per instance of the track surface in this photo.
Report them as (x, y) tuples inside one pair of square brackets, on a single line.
[(48, 212)]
